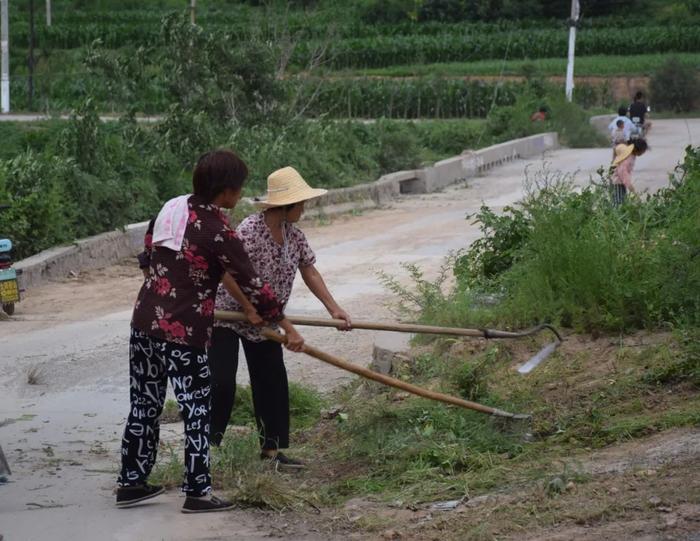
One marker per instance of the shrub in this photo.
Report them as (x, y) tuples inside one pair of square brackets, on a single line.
[(41, 212), (495, 252), (568, 119), (398, 149), (675, 86), (572, 258), (589, 265)]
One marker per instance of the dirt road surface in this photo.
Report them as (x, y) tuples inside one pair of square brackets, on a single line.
[(63, 356)]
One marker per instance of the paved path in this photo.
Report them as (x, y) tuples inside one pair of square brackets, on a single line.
[(37, 117), (61, 437)]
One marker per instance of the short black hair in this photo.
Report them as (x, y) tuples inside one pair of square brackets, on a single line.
[(640, 145), (217, 170), (620, 123), (639, 95), (622, 110)]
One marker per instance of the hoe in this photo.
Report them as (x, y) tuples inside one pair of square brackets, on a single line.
[(411, 328)]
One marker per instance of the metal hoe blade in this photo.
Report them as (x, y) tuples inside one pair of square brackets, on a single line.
[(4, 466), (545, 352)]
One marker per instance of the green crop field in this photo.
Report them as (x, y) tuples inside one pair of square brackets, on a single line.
[(585, 66)]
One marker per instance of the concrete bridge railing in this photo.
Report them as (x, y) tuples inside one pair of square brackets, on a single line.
[(108, 248)]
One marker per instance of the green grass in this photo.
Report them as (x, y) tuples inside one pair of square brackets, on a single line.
[(412, 450), (305, 406), (600, 65), (20, 136)]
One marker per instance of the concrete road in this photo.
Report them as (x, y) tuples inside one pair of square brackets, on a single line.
[(36, 117), (61, 436)]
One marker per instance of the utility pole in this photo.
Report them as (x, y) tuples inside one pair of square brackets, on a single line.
[(193, 7), (575, 10), (48, 12), (5, 46), (30, 57)]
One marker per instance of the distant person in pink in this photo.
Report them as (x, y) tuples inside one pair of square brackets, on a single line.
[(623, 164)]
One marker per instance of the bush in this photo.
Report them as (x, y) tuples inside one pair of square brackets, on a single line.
[(495, 252), (569, 120), (675, 86), (398, 149), (566, 255), (40, 211), (581, 262)]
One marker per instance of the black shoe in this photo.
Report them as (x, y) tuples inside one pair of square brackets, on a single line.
[(282, 461), (205, 505), (128, 496)]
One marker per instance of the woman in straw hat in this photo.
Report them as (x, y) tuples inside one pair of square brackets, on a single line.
[(623, 163), (277, 248)]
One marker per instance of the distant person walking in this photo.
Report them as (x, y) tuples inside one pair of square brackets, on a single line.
[(639, 113), (623, 164)]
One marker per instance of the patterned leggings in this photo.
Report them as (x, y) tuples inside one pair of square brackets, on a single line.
[(619, 193), (151, 362)]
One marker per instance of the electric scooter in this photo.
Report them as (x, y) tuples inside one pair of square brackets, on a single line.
[(9, 285)]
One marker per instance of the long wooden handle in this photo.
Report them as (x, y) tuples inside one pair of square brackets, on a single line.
[(396, 327), (386, 380), (368, 325)]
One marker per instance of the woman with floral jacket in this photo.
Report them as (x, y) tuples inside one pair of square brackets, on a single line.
[(188, 248)]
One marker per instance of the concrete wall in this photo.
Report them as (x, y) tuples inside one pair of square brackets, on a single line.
[(432, 178), (108, 248), (90, 253), (601, 122)]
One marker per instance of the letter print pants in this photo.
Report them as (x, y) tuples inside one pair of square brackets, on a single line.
[(151, 363)]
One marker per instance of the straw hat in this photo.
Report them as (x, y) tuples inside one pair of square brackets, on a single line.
[(286, 187), (622, 152)]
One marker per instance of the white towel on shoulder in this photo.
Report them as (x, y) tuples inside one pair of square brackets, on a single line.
[(170, 225)]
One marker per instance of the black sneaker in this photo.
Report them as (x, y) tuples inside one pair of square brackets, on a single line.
[(282, 461), (206, 504), (128, 496)]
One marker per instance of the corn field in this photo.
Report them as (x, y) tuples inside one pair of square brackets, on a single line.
[(392, 98), (384, 51)]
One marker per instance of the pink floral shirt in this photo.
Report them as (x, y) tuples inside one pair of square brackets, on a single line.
[(176, 301), (275, 264)]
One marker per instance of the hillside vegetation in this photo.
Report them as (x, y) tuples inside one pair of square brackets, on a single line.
[(354, 35)]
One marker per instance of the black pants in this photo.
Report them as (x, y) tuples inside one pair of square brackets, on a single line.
[(268, 383), (151, 362)]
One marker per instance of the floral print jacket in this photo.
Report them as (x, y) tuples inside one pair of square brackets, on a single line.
[(275, 264), (176, 301)]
